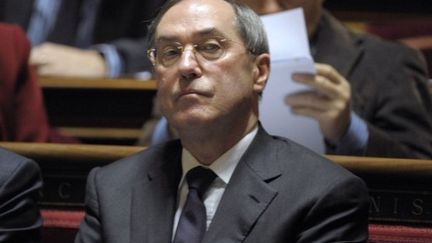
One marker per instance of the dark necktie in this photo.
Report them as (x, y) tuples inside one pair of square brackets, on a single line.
[(192, 223)]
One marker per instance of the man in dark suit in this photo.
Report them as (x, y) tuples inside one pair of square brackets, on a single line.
[(115, 29), (20, 183), (371, 96), (211, 63)]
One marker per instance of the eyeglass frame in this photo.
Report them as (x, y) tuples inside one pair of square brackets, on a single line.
[(152, 52)]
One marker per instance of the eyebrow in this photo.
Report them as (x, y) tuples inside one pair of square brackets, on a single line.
[(209, 32)]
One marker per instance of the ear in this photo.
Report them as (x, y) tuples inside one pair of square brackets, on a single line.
[(261, 72)]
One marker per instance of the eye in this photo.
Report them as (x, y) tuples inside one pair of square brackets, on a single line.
[(209, 47), (171, 52)]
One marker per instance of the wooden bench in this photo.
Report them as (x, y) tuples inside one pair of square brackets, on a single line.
[(99, 111)]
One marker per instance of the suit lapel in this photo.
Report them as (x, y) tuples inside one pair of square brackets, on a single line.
[(247, 194), (154, 199), (336, 46)]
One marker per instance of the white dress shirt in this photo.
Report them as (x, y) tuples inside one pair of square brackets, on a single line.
[(223, 167)]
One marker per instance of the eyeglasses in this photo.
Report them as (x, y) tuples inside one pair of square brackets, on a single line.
[(168, 54)]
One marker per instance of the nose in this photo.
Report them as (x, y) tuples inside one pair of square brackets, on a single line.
[(188, 65)]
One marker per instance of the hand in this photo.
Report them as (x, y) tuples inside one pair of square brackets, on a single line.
[(328, 102), (59, 60)]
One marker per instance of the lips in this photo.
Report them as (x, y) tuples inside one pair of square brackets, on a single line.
[(192, 92)]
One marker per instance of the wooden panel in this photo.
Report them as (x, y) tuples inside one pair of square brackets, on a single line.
[(103, 84), (385, 166), (102, 111), (75, 153), (101, 133)]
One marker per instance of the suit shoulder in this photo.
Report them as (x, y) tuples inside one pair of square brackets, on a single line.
[(390, 51), (317, 175), (12, 165), (295, 157), (141, 161), (9, 161)]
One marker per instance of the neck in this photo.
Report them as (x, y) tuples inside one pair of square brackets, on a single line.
[(208, 143)]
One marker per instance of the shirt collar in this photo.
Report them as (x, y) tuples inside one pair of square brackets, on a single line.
[(224, 166)]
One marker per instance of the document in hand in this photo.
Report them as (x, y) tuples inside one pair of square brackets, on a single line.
[(289, 49)]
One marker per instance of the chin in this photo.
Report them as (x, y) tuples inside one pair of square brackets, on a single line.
[(195, 119)]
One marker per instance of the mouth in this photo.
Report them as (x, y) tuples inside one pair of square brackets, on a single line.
[(192, 93)]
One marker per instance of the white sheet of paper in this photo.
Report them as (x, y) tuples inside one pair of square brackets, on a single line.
[(289, 49), (287, 35)]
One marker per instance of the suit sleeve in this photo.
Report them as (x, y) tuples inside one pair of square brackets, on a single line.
[(133, 50), (340, 215), (90, 230), (133, 53), (20, 220)]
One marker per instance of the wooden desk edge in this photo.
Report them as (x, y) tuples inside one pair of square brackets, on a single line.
[(385, 166), (109, 153), (99, 83), (71, 152)]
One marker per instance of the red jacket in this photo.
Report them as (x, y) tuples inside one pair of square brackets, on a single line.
[(22, 114)]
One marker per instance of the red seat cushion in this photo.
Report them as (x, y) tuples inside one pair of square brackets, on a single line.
[(399, 234)]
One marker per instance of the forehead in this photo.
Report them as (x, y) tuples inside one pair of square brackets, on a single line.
[(191, 18), (270, 6)]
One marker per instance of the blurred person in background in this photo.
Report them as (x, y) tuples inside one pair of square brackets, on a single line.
[(23, 117), (84, 38), (370, 96)]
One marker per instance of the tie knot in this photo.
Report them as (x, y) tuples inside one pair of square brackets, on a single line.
[(199, 179)]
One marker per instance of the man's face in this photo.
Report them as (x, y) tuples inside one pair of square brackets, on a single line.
[(194, 88), (311, 8)]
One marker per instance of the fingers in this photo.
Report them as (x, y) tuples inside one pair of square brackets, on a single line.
[(332, 115), (330, 73), (327, 81), (38, 57), (328, 102), (51, 69), (59, 60), (47, 60), (307, 99)]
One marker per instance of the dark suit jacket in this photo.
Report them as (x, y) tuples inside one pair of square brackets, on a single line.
[(388, 82), (121, 23), (279, 192), (20, 183)]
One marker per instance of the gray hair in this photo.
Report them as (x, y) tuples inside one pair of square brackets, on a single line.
[(248, 25)]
